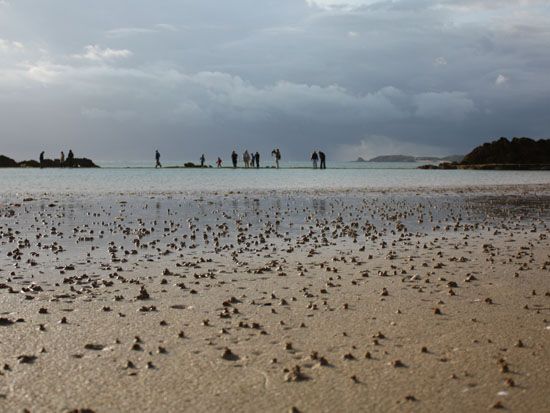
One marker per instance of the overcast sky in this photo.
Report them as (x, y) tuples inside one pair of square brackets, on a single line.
[(116, 79)]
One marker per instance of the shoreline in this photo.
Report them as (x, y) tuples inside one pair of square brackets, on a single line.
[(504, 189)]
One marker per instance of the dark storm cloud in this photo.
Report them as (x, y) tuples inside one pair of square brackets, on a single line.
[(115, 79)]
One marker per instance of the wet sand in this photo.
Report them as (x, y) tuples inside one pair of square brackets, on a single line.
[(388, 301)]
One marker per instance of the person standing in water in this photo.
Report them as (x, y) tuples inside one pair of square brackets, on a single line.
[(277, 154), (252, 159), (257, 157), (41, 159), (314, 158), (157, 158), (202, 159), (322, 158), (234, 158), (62, 158), (70, 158)]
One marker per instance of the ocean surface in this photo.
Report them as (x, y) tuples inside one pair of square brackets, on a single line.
[(142, 178)]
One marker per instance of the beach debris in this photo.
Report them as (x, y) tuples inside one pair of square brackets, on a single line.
[(229, 355), (94, 346), (26, 359), (143, 294), (295, 374)]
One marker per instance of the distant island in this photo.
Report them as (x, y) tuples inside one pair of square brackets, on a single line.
[(409, 158), (393, 158), (504, 154), (6, 162)]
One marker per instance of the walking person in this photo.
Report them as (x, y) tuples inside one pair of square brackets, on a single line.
[(234, 158), (219, 162), (257, 156), (322, 158), (202, 158), (157, 158), (314, 158)]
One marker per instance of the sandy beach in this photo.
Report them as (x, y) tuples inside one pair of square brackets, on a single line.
[(405, 301)]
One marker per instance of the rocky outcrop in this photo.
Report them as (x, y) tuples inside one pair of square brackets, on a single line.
[(503, 154), (83, 163), (6, 162), (192, 165), (443, 165), (490, 167), (518, 151)]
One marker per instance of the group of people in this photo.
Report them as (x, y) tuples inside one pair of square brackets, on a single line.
[(63, 162), (319, 158), (252, 160)]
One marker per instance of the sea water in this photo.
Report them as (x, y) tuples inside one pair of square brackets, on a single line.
[(141, 178)]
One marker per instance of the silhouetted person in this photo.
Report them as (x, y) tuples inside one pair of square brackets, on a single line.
[(322, 158), (234, 158), (41, 159), (277, 154), (314, 158), (257, 157), (157, 158), (252, 159), (62, 158), (70, 158), (219, 162), (203, 158)]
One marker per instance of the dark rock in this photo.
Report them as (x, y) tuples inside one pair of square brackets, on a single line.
[(516, 155), (229, 355), (143, 294), (192, 165), (26, 359), (94, 346), (6, 162), (517, 151)]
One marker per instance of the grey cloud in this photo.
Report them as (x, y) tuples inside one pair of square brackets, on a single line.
[(207, 76), (453, 106), (128, 31), (96, 53), (134, 31), (118, 115)]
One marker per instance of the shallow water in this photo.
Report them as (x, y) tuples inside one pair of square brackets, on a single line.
[(298, 176), (78, 223)]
